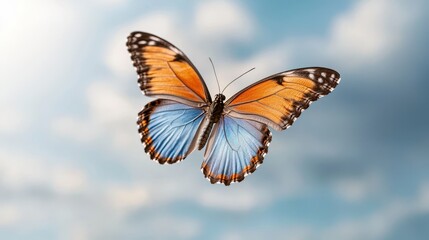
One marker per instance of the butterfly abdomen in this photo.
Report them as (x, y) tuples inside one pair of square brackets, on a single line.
[(213, 116), (205, 136)]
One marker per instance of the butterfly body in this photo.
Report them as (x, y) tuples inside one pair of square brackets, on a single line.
[(235, 132), (214, 114)]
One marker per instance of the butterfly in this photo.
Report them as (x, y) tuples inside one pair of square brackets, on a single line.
[(235, 132)]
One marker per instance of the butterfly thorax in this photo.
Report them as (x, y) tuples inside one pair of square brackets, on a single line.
[(216, 108), (213, 115)]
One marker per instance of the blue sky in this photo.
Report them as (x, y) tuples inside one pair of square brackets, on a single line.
[(353, 166)]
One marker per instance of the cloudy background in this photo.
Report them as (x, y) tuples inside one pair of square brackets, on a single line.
[(354, 166)]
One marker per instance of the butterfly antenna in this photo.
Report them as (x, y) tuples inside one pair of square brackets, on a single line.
[(237, 78), (214, 70)]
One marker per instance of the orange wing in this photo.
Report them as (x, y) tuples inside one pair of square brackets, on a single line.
[(165, 71), (279, 99)]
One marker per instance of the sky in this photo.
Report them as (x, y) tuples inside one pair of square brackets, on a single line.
[(353, 166)]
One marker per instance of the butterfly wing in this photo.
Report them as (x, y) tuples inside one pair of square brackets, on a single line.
[(235, 148), (165, 71), (279, 99), (240, 140), (168, 129)]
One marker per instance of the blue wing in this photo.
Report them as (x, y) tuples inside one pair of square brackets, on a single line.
[(236, 148), (169, 129)]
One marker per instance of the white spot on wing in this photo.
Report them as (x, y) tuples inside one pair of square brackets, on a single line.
[(311, 76), (154, 38), (151, 43), (174, 49)]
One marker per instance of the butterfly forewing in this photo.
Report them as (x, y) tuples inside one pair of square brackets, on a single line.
[(165, 71), (279, 99)]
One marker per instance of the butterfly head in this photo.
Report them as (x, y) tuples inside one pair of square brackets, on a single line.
[(219, 98), (216, 108)]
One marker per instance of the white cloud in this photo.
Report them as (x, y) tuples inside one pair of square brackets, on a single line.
[(67, 180), (78, 233), (12, 120), (178, 228), (126, 198), (111, 3), (10, 215), (223, 20), (370, 31), (38, 42), (355, 190), (35, 34), (237, 199), (265, 231), (423, 199), (381, 222), (78, 130), (34, 187), (107, 104), (111, 118), (20, 171)]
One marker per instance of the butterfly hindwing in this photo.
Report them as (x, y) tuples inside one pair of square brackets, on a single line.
[(236, 148), (169, 129), (279, 99), (165, 71)]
